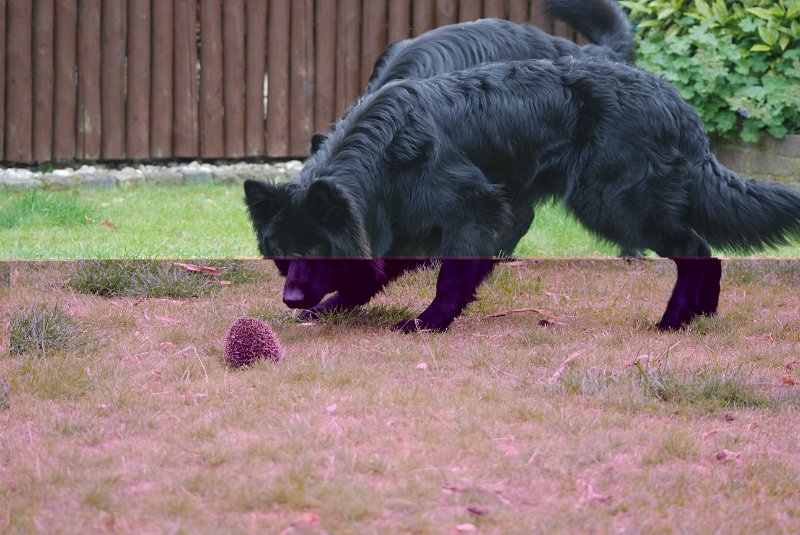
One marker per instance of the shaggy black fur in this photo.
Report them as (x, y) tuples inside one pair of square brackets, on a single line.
[(450, 167), (460, 46)]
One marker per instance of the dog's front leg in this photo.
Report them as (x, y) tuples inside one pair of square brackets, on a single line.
[(696, 292), (456, 286)]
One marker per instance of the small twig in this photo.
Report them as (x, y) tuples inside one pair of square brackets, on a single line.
[(522, 311), (564, 365)]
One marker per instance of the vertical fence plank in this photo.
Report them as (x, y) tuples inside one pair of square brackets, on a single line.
[(66, 84), (494, 8), (256, 69), (233, 68), (301, 88), (138, 104), (19, 140), (347, 64), (424, 16), (518, 11), (186, 127), (278, 69), (89, 113), (44, 18), (399, 20), (446, 12), (212, 135), (469, 10), (162, 82), (3, 80), (562, 29), (112, 82), (374, 37), (539, 18), (325, 66)]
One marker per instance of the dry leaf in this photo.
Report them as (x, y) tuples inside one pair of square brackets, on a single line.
[(422, 366), (463, 528), (523, 310), (478, 511), (727, 456), (200, 269), (588, 493), (564, 365), (168, 321), (788, 380), (107, 223), (331, 408)]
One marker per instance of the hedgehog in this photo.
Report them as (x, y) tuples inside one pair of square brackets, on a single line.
[(248, 340)]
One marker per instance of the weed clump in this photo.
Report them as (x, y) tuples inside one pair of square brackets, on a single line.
[(40, 329)]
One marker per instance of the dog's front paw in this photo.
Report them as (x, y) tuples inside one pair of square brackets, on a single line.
[(417, 325), (311, 314)]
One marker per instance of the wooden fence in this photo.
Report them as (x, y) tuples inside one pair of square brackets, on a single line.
[(90, 80)]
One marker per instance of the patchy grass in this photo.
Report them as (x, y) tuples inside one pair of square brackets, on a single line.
[(362, 430), (156, 278)]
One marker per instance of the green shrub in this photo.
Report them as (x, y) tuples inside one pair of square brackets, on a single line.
[(736, 62)]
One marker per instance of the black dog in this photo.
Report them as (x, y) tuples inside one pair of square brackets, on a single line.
[(449, 167), (460, 46)]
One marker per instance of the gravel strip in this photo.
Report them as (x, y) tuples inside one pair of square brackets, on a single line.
[(99, 176)]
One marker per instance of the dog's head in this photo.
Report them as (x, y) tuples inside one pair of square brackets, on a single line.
[(292, 220), (309, 280)]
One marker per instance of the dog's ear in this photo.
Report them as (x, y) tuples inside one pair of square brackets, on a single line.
[(263, 200), (328, 202), (316, 143)]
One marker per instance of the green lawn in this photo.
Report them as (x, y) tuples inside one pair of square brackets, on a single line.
[(208, 221)]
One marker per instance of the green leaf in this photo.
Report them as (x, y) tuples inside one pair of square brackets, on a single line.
[(760, 12), (703, 8), (760, 48), (666, 13)]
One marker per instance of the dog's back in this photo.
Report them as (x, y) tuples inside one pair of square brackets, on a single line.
[(461, 46)]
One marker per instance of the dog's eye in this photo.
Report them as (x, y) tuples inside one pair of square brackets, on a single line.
[(312, 251)]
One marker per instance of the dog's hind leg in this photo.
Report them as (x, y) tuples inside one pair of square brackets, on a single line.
[(697, 287), (456, 286)]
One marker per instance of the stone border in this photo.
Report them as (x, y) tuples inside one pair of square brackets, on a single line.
[(769, 159), (105, 177)]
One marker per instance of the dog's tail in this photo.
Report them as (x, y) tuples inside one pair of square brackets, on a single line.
[(742, 215), (600, 21)]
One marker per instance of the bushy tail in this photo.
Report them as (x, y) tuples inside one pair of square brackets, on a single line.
[(742, 215), (600, 21)]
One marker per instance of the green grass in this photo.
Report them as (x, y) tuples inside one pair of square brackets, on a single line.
[(41, 329), (202, 221)]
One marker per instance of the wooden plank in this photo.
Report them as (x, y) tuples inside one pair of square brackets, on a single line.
[(469, 10), (256, 69), (137, 143), (233, 68), (374, 37), (562, 29), (212, 136), (3, 80), (325, 68), (424, 16), (186, 130), (494, 8), (446, 12), (19, 90), (539, 18), (112, 83), (88, 143), (347, 66), (301, 88), (399, 20), (65, 82), (518, 11), (278, 70), (43, 35), (162, 83)]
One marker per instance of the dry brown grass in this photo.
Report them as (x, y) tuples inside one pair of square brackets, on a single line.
[(146, 430)]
